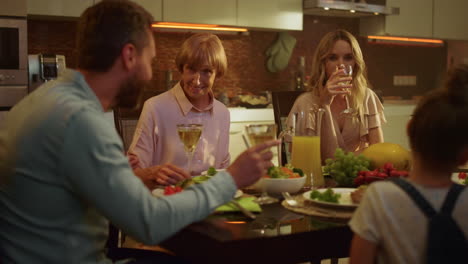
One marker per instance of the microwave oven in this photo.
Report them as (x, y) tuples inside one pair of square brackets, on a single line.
[(13, 60)]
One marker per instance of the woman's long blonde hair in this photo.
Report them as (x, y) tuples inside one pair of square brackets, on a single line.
[(319, 78)]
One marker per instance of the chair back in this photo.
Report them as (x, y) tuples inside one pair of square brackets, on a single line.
[(125, 122), (282, 103), (126, 119)]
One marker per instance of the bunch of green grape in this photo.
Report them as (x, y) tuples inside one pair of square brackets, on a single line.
[(345, 167)]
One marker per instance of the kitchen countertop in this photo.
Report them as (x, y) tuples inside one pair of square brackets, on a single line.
[(242, 114)]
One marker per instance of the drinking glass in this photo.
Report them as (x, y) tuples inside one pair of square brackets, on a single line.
[(348, 70), (189, 134), (258, 134)]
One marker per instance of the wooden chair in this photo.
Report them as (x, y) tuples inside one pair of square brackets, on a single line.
[(282, 103), (126, 119)]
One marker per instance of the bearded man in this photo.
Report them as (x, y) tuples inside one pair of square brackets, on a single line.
[(63, 173)]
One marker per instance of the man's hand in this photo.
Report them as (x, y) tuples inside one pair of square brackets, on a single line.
[(252, 164), (166, 174), (133, 160)]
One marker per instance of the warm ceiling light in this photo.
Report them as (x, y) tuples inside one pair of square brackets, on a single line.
[(235, 222), (352, 11), (196, 26), (376, 13), (415, 40), (326, 8)]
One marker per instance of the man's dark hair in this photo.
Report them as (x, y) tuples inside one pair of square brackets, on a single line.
[(104, 29)]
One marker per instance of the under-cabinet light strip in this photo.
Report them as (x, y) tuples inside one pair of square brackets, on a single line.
[(196, 26), (416, 40)]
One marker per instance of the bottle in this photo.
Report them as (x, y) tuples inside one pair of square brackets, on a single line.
[(300, 74), (168, 79)]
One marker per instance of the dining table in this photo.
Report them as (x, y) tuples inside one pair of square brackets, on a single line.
[(276, 235)]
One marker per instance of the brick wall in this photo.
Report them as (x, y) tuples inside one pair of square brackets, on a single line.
[(247, 60)]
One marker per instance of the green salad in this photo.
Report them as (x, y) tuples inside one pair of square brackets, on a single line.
[(288, 171), (197, 179), (327, 196), (211, 171)]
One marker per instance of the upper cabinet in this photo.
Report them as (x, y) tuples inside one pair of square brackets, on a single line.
[(415, 18), (201, 11), (450, 19), (153, 6), (421, 18), (70, 8), (268, 14), (271, 14), (274, 14), (74, 8)]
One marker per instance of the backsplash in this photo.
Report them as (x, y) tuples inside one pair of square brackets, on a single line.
[(247, 60)]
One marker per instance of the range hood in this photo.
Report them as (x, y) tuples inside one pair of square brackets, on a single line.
[(350, 8)]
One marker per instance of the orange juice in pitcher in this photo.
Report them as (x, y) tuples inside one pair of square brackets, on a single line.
[(306, 156)]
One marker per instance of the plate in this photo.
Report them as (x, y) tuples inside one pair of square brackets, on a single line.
[(238, 194), (158, 192), (456, 179), (344, 202)]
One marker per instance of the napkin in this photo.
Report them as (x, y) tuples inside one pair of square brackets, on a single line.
[(247, 202)]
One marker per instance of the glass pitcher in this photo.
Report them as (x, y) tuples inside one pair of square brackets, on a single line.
[(305, 149)]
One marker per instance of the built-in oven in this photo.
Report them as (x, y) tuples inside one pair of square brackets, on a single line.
[(13, 60)]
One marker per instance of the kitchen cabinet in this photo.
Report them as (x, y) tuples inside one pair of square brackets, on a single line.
[(153, 6), (271, 14), (268, 14), (201, 11), (397, 115), (274, 14), (415, 18), (13, 8), (450, 19), (443, 19), (74, 8), (69, 8)]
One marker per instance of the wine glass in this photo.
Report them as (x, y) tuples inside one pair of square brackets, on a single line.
[(189, 134), (258, 134), (348, 71)]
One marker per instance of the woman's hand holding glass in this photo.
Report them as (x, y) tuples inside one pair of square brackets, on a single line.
[(339, 82)]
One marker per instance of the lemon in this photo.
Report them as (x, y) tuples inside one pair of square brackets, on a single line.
[(381, 153)]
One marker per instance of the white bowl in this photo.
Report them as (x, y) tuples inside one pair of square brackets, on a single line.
[(276, 186)]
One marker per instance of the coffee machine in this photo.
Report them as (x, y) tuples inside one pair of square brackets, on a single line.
[(43, 68)]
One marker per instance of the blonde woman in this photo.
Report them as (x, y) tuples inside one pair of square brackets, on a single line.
[(201, 60), (330, 88)]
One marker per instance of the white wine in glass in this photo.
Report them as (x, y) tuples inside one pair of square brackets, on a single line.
[(258, 134), (348, 70), (189, 134)]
